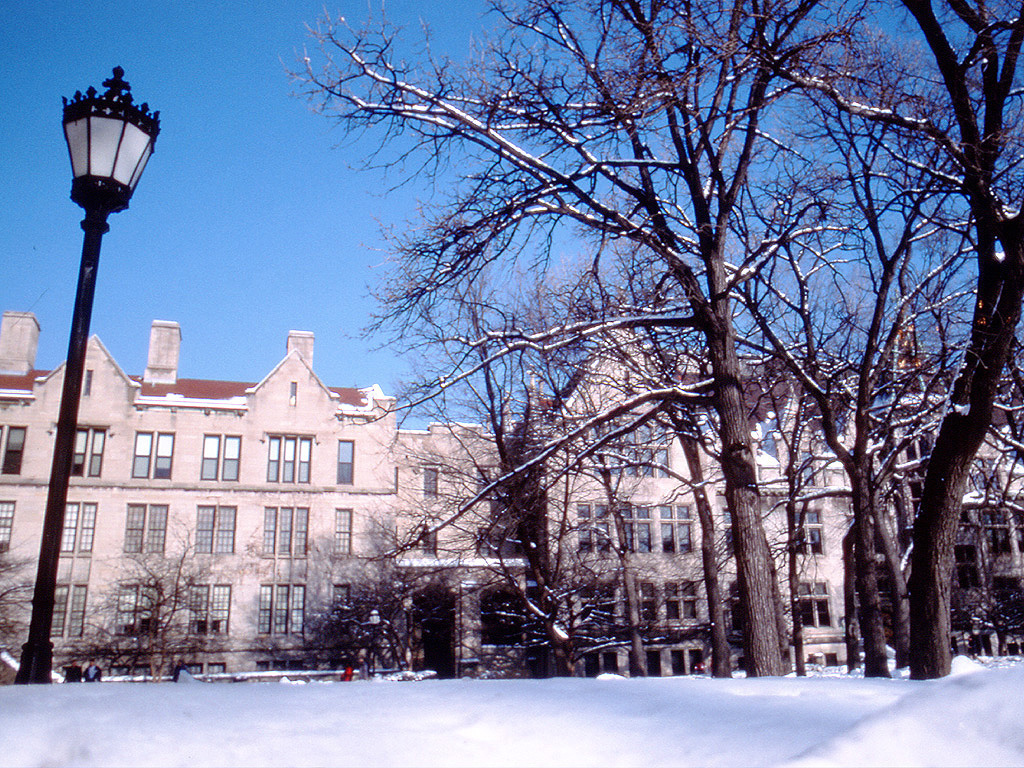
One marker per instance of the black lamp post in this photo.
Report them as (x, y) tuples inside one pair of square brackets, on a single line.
[(110, 140)]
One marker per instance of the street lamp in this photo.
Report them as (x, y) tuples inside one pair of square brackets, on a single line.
[(110, 140), (374, 625)]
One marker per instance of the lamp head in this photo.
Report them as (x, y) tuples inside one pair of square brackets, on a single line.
[(110, 140)]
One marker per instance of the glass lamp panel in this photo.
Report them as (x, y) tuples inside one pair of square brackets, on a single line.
[(134, 143), (141, 165), (103, 142), (77, 135)]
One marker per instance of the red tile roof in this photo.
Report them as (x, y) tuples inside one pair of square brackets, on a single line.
[(204, 389), (20, 381)]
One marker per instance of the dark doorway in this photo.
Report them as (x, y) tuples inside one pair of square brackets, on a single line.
[(434, 613)]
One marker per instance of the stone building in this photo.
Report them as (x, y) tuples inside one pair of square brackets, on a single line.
[(288, 524)]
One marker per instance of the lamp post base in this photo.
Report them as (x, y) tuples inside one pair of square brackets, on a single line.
[(36, 663)]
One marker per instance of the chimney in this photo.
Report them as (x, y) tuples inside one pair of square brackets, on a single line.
[(19, 340), (302, 343), (164, 346)]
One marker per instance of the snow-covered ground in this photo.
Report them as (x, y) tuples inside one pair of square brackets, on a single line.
[(972, 718)]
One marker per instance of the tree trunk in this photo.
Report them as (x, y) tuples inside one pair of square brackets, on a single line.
[(899, 596), (872, 626), (851, 631), (996, 314), (755, 568), (637, 662), (793, 574), (721, 654)]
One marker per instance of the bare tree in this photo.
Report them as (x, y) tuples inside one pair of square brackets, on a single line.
[(962, 98), (160, 610), (15, 594), (625, 121), (858, 358)]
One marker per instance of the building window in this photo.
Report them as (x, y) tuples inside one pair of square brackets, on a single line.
[(341, 594), (648, 602), (215, 530), (675, 529), (60, 610), (218, 465), (426, 539), (689, 595), (79, 527), (430, 475), (673, 603), (813, 600), (282, 609), (346, 461), (636, 456), (69, 614), (88, 456), (133, 616), (6, 524), (680, 600), (14, 450), (210, 609), (811, 537), (637, 528), (997, 531), (966, 557), (585, 529), (87, 384), (145, 529), (288, 459), (343, 531), (285, 531), (293, 393), (153, 452)]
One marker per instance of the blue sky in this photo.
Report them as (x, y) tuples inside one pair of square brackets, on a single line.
[(248, 221)]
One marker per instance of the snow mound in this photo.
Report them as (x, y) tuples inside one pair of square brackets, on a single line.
[(971, 718), (964, 665)]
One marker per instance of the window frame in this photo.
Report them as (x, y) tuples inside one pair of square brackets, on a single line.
[(6, 524), (78, 534), (813, 601), (156, 461), (9, 465), (431, 482), (145, 528), (344, 519), (209, 609), (87, 458), (69, 604), (280, 540), (811, 540), (346, 462), (281, 609), (289, 459), (217, 538)]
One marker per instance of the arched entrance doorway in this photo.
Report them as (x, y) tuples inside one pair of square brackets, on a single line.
[(434, 618)]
